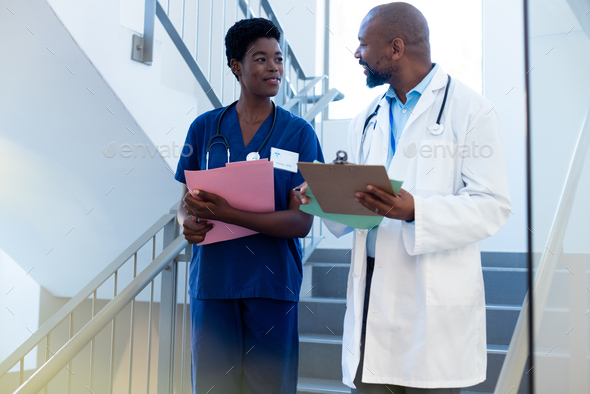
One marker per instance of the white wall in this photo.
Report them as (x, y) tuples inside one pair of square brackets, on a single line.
[(160, 97), (19, 296), (67, 209), (298, 20), (503, 85), (560, 55)]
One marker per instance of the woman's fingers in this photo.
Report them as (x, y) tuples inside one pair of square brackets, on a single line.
[(206, 196), (194, 232), (301, 194)]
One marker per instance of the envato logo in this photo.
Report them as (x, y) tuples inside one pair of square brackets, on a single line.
[(142, 150), (428, 151)]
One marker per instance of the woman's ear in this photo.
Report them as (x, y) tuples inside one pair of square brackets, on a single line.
[(236, 68)]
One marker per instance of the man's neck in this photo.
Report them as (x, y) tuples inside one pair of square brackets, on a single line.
[(408, 80)]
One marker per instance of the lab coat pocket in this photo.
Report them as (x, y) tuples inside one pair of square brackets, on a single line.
[(435, 165), (452, 279)]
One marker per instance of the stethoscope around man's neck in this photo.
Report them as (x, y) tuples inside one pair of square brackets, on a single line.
[(252, 155), (436, 129)]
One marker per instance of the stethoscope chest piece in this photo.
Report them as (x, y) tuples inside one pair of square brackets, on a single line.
[(253, 156), (437, 129)]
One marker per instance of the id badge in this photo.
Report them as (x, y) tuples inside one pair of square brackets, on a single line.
[(284, 159)]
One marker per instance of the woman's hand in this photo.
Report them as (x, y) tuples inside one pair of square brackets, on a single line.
[(194, 232), (382, 203), (300, 193), (207, 205)]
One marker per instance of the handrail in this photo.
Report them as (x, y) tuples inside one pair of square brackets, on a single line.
[(63, 356), (187, 56), (311, 85), (321, 104), (272, 16), (82, 295), (513, 367)]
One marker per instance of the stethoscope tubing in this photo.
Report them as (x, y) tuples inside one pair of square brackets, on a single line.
[(376, 112), (225, 141)]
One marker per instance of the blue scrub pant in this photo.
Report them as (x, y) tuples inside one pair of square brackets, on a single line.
[(245, 346)]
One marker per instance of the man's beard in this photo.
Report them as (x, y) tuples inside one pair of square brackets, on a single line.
[(376, 78)]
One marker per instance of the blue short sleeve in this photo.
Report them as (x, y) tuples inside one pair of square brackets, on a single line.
[(189, 158), (309, 150)]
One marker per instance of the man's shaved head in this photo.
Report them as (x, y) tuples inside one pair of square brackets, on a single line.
[(401, 20), (394, 45)]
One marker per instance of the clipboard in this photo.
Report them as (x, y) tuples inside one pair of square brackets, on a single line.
[(334, 185)]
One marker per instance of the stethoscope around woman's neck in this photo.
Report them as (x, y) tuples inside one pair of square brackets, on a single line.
[(436, 129), (252, 155)]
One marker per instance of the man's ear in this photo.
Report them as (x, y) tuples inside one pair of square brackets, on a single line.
[(398, 47), (236, 68)]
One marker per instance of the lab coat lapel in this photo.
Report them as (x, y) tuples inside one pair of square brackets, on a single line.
[(380, 142), (427, 98)]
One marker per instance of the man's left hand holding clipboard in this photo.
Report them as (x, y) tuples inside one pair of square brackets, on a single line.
[(375, 199)]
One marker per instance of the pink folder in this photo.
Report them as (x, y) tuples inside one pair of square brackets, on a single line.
[(246, 185)]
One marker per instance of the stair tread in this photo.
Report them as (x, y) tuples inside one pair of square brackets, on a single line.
[(321, 338), (503, 307), (311, 385), (327, 300), (498, 349), (504, 269), (326, 264), (330, 300), (337, 340)]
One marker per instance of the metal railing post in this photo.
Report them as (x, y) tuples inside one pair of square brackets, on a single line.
[(143, 47), (167, 317)]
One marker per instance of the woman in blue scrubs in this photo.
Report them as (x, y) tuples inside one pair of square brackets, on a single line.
[(244, 292)]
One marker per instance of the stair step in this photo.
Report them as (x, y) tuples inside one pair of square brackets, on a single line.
[(320, 358), (505, 286), (329, 279), (504, 259), (307, 385), (321, 338), (500, 323), (325, 316), (324, 264), (488, 259), (321, 315), (310, 385), (330, 256)]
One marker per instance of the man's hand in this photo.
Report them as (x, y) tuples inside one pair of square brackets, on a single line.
[(206, 205), (300, 192), (194, 232), (394, 207)]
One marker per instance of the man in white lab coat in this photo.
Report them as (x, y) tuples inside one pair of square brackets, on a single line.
[(415, 317)]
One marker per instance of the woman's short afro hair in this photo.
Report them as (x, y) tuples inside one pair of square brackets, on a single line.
[(244, 33)]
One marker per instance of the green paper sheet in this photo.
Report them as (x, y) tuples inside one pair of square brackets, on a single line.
[(356, 221)]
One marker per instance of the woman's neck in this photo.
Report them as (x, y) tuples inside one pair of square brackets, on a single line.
[(253, 110)]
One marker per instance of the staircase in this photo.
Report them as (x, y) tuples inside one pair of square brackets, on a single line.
[(321, 315)]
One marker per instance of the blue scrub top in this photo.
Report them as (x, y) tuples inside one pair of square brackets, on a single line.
[(272, 267)]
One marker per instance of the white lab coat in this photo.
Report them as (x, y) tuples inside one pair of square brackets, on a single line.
[(426, 325)]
